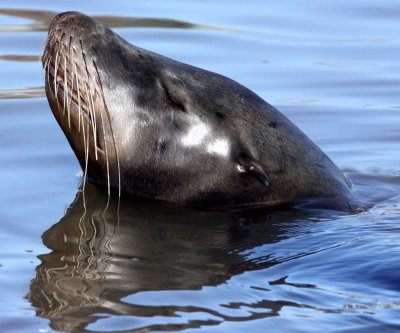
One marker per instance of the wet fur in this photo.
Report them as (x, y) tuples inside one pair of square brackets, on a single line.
[(127, 111)]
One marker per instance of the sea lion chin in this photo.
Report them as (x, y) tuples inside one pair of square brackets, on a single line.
[(151, 126)]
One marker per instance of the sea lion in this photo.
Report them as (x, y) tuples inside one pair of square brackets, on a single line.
[(154, 127)]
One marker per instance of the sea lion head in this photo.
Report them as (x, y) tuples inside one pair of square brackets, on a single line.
[(152, 126)]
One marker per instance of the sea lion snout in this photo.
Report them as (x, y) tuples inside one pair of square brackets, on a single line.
[(60, 16)]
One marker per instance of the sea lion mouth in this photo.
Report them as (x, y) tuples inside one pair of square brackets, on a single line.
[(75, 94)]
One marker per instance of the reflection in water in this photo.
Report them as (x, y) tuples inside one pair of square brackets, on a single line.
[(42, 19), (98, 259), (17, 57), (22, 93)]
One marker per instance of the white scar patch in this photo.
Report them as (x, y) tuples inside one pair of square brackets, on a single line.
[(201, 135), (219, 147), (195, 135)]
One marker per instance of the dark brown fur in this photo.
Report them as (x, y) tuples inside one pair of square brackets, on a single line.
[(177, 133)]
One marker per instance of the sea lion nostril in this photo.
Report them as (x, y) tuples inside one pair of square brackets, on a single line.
[(60, 15)]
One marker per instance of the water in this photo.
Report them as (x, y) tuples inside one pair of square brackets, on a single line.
[(331, 67)]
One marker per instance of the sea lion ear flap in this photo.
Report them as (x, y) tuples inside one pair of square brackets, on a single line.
[(253, 168)]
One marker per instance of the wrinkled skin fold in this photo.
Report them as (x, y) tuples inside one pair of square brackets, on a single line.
[(153, 127)]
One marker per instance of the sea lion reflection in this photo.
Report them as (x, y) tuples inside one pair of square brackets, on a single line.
[(97, 259)]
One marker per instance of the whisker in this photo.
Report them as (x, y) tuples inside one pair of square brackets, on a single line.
[(94, 122), (47, 71), (69, 104), (79, 98), (105, 142), (91, 111), (90, 102), (86, 150), (112, 133), (56, 64), (65, 84), (106, 151), (71, 99)]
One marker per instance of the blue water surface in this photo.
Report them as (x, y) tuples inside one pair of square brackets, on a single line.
[(332, 67)]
